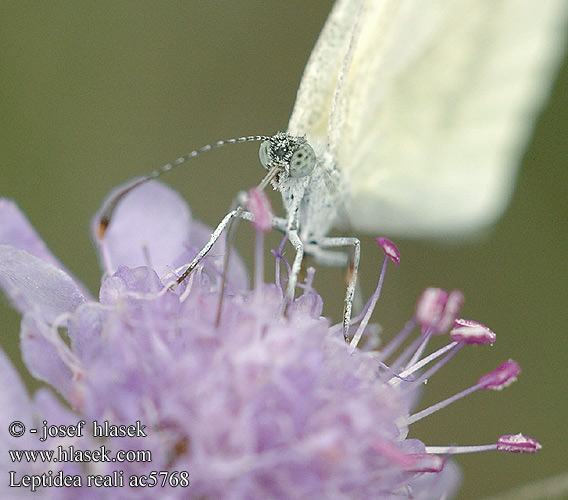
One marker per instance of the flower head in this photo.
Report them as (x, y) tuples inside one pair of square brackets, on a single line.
[(236, 396)]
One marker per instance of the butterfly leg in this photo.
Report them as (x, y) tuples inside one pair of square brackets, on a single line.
[(297, 243), (352, 260), (215, 235), (324, 257), (277, 222), (292, 224), (288, 227)]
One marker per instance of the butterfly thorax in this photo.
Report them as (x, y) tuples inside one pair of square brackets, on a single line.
[(308, 180)]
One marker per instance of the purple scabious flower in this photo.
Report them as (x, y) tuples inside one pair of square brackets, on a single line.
[(248, 397)]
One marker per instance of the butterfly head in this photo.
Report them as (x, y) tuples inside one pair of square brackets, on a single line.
[(293, 156)]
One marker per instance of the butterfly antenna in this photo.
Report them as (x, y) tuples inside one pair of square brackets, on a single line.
[(109, 209)]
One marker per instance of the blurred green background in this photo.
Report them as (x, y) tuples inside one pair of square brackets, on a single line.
[(94, 94)]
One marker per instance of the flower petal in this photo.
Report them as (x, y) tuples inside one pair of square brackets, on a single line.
[(16, 230), (17, 415), (14, 399), (150, 225), (34, 285), (46, 356), (442, 485)]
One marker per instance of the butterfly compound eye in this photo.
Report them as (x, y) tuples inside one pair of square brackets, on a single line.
[(303, 161), (264, 154)]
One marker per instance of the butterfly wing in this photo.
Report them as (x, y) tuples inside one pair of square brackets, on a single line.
[(319, 81), (434, 101)]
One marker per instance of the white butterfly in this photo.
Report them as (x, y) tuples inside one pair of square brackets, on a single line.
[(411, 117), (425, 106), (418, 112)]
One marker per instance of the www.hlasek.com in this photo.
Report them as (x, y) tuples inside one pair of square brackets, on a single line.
[(66, 453)]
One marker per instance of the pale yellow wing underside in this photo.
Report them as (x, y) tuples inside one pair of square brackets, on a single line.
[(427, 105)]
